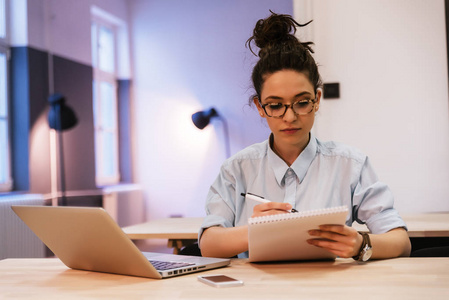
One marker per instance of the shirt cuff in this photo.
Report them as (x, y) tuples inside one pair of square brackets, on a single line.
[(385, 221)]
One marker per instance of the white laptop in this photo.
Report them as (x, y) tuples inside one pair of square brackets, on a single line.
[(87, 238)]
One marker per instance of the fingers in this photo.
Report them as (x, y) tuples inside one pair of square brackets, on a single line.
[(341, 240), (342, 229), (271, 208)]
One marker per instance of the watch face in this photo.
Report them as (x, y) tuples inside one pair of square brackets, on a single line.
[(367, 252)]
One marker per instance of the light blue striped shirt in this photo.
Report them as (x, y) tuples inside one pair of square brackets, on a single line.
[(325, 174)]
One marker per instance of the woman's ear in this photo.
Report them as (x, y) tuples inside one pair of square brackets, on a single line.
[(259, 107), (319, 93)]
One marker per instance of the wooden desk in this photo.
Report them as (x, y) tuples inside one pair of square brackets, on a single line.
[(168, 228), (180, 232), (402, 278), (184, 231)]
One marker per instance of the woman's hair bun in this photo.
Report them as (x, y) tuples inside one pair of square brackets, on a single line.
[(275, 30)]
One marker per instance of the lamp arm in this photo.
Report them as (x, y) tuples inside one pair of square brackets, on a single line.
[(226, 135)]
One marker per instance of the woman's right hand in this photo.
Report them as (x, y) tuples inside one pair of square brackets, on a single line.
[(271, 208)]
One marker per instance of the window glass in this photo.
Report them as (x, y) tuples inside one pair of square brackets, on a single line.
[(105, 103), (4, 164), (108, 153), (5, 180), (2, 19), (108, 105), (106, 56), (94, 101), (3, 94)]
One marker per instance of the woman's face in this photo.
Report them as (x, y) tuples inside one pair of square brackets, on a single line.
[(287, 87)]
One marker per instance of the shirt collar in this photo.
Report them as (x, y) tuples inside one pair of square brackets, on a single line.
[(299, 166)]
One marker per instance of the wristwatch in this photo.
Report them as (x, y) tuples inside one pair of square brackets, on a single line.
[(366, 250)]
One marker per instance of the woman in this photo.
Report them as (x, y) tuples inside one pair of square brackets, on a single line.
[(293, 167)]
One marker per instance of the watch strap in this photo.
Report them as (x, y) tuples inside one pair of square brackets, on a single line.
[(366, 242)]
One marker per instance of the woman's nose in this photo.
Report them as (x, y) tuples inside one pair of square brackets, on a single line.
[(290, 115)]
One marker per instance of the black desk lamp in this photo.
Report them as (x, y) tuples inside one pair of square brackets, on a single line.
[(61, 117), (202, 118)]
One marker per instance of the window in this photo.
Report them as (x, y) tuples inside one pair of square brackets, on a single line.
[(105, 103), (5, 162), (2, 19)]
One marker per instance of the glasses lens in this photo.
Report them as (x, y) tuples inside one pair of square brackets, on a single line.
[(303, 107), (275, 109)]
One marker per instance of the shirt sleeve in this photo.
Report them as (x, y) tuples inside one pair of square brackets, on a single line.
[(220, 202), (373, 203)]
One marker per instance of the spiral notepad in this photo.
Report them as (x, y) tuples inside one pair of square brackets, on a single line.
[(284, 237)]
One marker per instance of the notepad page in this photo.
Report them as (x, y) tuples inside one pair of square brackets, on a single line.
[(284, 237)]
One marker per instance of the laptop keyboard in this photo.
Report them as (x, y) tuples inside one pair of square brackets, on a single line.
[(167, 265)]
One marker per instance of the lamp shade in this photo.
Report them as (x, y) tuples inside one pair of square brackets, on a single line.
[(60, 116), (202, 118)]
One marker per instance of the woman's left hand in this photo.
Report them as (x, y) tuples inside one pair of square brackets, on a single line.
[(342, 240)]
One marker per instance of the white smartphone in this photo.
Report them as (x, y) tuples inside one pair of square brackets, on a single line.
[(220, 280)]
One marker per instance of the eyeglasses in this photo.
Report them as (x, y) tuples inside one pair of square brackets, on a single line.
[(278, 110)]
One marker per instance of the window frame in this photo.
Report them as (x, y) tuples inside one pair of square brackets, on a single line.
[(100, 76), (7, 185)]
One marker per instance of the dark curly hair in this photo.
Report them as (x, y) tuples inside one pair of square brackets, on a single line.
[(279, 49)]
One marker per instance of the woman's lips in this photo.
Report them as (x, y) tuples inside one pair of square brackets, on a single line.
[(290, 130)]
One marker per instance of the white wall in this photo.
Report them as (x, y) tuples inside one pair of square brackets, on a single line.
[(390, 59)]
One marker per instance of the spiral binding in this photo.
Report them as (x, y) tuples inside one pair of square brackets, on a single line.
[(298, 215)]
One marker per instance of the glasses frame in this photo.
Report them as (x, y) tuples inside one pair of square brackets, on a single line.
[(287, 106)]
